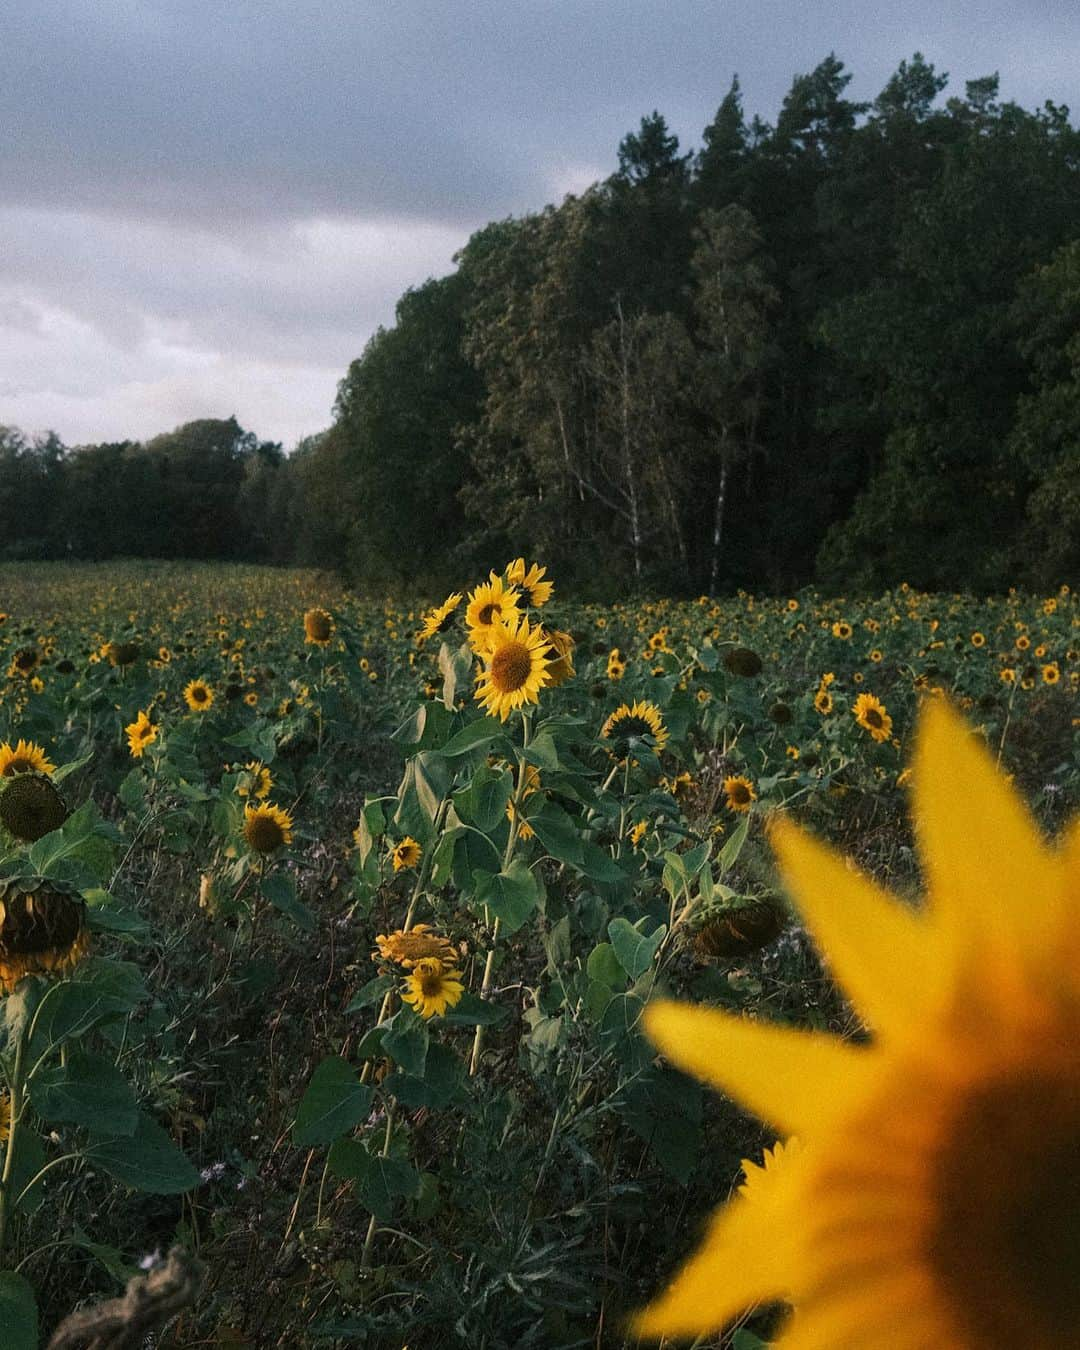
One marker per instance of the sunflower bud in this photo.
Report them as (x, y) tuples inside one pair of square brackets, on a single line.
[(30, 806)]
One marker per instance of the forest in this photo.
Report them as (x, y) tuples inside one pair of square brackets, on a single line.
[(842, 349)]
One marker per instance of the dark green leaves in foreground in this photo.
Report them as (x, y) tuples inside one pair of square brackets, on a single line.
[(335, 1102)]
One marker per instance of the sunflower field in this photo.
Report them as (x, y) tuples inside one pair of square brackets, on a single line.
[(342, 942)]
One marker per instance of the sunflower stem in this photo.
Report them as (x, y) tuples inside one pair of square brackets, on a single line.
[(16, 1108), (365, 1256)]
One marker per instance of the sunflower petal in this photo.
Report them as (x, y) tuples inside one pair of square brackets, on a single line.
[(882, 952), (988, 870), (797, 1080)]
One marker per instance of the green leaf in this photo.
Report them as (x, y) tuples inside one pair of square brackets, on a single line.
[(148, 1160), (30, 1159), (558, 833), (604, 965), (280, 889), (443, 1079), (542, 752), (634, 950), (335, 1102), (372, 992), (405, 1040), (384, 1181), (471, 1011), (100, 991), (456, 667), (18, 1312), (598, 865), (472, 736), (88, 1090), (746, 1340), (511, 895), (483, 803), (729, 854), (72, 766)]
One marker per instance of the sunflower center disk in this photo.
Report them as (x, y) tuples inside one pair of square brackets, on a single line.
[(264, 834), (511, 667), (1006, 1245)]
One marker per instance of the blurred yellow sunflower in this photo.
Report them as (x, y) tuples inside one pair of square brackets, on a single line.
[(439, 619), (934, 1202), (870, 714), (739, 793), (561, 668), (432, 988), (140, 734), (24, 757), (198, 695), (261, 781), (530, 581), (517, 668)]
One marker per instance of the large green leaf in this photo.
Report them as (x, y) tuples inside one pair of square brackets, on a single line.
[(280, 889), (634, 950), (101, 990), (335, 1102), (405, 1040), (18, 1312), (510, 895), (147, 1160), (88, 1090), (472, 736), (483, 803), (557, 832)]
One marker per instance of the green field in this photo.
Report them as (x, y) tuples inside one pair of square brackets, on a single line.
[(235, 1064)]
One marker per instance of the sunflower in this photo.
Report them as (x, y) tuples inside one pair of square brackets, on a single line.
[(978, 639), (318, 627), (641, 721), (266, 827), (538, 591), (739, 792), (823, 701), (198, 695), (840, 629), (140, 734), (562, 656), (260, 784), (532, 782), (1051, 673), (26, 757), (870, 714), (638, 832), (934, 1203), (30, 806), (616, 666), (432, 988), (518, 667), (489, 605), (439, 619), (406, 854), (24, 662), (419, 943), (42, 928)]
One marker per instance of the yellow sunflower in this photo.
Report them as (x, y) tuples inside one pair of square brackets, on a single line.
[(538, 591), (140, 734), (870, 714), (318, 627), (532, 783), (266, 827), (406, 854), (489, 605), (640, 721), (432, 988), (198, 695), (935, 1201), (739, 793), (24, 662), (419, 943), (261, 781), (841, 629), (439, 619), (562, 656), (25, 757), (823, 701), (616, 666), (517, 667)]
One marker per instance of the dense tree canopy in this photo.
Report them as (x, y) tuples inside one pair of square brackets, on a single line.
[(840, 348)]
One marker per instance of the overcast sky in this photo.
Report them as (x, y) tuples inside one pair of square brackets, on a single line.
[(208, 206)]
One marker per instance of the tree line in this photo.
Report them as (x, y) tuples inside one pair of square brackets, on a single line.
[(842, 348)]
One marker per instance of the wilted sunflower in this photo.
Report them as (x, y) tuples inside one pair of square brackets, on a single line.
[(42, 928), (140, 734), (489, 605), (870, 714), (5, 1115), (561, 668), (739, 792), (266, 827), (406, 854), (26, 757), (261, 781), (419, 943), (640, 721), (30, 806), (432, 988), (935, 1201), (742, 661), (439, 619), (318, 627), (198, 695), (517, 668), (24, 662), (538, 591), (121, 653)]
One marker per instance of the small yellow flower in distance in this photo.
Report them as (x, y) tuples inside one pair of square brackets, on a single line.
[(739, 792), (24, 757), (1007, 675), (1051, 673), (198, 695), (841, 629), (432, 988), (978, 639), (870, 714), (638, 832), (948, 1143), (406, 854), (823, 701)]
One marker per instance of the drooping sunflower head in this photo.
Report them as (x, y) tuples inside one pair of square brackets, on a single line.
[(561, 668), (432, 988), (631, 724), (140, 733), (517, 666), (439, 619), (870, 714), (25, 661), (490, 605), (30, 806), (406, 854), (742, 661), (24, 757), (733, 933), (537, 591), (419, 943), (266, 827), (739, 792), (42, 928), (121, 653), (318, 627), (198, 695), (258, 783)]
